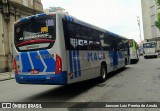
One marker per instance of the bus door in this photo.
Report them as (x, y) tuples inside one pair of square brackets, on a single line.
[(115, 54)]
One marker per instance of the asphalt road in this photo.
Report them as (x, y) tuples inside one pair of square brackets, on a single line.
[(137, 83)]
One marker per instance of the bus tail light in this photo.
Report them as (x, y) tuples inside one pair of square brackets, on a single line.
[(58, 65), (15, 66)]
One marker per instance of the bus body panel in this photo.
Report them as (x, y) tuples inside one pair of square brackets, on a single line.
[(84, 65), (28, 62), (43, 63), (52, 79), (134, 51)]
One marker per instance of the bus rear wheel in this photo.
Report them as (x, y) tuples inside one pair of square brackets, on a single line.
[(103, 73)]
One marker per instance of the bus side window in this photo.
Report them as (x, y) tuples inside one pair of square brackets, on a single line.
[(72, 44), (91, 38), (69, 35), (66, 34), (121, 45), (94, 40), (97, 40), (83, 38), (106, 42)]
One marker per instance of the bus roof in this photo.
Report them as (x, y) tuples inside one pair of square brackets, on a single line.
[(75, 20), (71, 19)]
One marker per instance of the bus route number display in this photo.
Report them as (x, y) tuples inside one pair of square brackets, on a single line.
[(49, 22)]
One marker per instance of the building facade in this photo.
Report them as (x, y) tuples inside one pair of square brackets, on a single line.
[(55, 9), (11, 11), (149, 16)]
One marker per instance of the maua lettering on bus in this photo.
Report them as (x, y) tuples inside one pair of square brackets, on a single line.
[(94, 56)]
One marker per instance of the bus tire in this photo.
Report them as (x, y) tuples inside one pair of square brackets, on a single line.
[(136, 61), (103, 73)]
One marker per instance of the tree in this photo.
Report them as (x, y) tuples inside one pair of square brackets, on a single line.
[(157, 22)]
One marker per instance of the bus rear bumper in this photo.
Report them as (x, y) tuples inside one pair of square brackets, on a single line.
[(53, 79), (150, 55)]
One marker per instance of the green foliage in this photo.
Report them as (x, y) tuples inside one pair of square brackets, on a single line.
[(158, 3), (157, 23)]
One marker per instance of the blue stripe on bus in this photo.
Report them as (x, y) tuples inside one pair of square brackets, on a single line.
[(31, 17), (59, 79), (79, 65), (42, 15), (65, 17), (23, 19), (71, 18), (115, 59), (50, 62), (25, 62), (68, 18), (37, 63), (111, 58), (75, 63), (70, 62)]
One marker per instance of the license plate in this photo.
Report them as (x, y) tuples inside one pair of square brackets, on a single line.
[(34, 71)]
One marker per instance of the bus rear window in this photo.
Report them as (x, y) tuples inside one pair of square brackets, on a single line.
[(149, 45), (35, 34)]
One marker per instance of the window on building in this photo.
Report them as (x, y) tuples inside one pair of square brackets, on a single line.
[(31, 2), (25, 2)]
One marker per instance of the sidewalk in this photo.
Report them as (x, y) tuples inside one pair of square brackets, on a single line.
[(7, 76)]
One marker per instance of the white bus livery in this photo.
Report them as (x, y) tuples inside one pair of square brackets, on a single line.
[(58, 49), (134, 51), (150, 49)]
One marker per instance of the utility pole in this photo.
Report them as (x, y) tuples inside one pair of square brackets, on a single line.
[(139, 24)]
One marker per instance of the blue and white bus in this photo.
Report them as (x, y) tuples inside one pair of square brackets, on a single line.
[(59, 49)]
